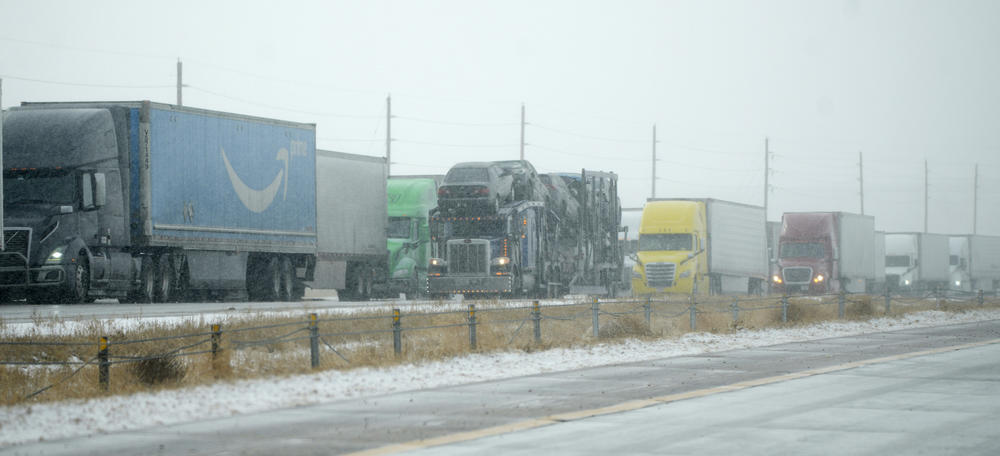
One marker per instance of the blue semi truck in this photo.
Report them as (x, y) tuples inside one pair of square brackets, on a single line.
[(151, 202)]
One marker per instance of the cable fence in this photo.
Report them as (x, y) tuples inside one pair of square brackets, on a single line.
[(357, 340)]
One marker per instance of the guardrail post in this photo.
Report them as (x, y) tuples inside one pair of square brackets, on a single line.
[(736, 309), (216, 338), (840, 304), (694, 314), (596, 311), (648, 310), (980, 297), (472, 326), (397, 333), (103, 365), (887, 301), (536, 317), (313, 341), (784, 309)]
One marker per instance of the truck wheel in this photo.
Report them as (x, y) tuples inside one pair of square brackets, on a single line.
[(287, 280), (147, 283), (79, 293), (274, 279), (165, 276)]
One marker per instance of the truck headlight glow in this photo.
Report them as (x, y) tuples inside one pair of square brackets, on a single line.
[(818, 278), (776, 279), (56, 256), (958, 283), (438, 262), (906, 282), (500, 261)]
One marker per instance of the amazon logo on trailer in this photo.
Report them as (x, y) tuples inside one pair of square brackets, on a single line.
[(258, 200)]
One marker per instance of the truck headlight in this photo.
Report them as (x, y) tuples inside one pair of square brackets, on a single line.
[(818, 278), (500, 261), (958, 283), (500, 266), (684, 274), (906, 282), (56, 256), (636, 274), (776, 279)]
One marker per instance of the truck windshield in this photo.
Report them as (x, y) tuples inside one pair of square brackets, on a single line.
[(802, 250), (468, 227), (897, 261), (399, 228), (39, 187), (653, 242), (458, 175)]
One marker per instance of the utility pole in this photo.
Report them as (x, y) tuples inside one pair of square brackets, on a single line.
[(861, 179), (975, 198), (522, 131), (767, 173), (926, 198), (180, 82), (653, 192), (388, 135), (2, 247)]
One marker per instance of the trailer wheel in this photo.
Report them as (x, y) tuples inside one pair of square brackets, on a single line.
[(274, 274), (165, 279), (287, 280)]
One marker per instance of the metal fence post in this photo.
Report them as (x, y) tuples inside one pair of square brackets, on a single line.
[(313, 341), (694, 314), (648, 310), (784, 309), (887, 301), (216, 338), (980, 297), (596, 310), (536, 317), (472, 326), (736, 309), (103, 365), (397, 332), (840, 304)]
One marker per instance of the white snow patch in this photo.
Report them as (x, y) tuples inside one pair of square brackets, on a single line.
[(50, 421)]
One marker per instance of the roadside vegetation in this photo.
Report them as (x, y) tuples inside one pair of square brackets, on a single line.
[(153, 354)]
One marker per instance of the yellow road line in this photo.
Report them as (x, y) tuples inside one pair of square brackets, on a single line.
[(643, 403)]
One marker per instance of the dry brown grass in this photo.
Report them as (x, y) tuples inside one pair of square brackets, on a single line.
[(366, 340)]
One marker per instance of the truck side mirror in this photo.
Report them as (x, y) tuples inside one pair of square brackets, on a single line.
[(86, 192), (100, 190)]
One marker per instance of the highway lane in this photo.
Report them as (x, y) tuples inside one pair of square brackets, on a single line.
[(375, 423)]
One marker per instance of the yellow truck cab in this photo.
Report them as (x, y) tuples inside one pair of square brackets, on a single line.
[(671, 239), (700, 246)]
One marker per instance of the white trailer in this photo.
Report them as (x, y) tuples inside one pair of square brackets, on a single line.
[(916, 261), (352, 253), (984, 262), (737, 239)]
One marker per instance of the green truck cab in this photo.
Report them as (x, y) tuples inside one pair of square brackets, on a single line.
[(410, 200)]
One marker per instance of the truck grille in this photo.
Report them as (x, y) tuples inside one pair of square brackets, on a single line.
[(467, 258), (15, 252), (797, 275), (660, 275)]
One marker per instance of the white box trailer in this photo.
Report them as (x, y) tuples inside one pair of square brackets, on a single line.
[(984, 263), (916, 261), (737, 236), (351, 208)]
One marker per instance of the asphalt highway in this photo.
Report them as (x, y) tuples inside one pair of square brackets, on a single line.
[(933, 390)]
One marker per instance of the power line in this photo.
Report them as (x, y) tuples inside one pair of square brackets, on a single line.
[(278, 108), (81, 84), (597, 138), (426, 143), (460, 124), (574, 154), (83, 49)]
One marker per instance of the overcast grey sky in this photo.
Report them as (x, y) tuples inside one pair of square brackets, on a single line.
[(901, 81)]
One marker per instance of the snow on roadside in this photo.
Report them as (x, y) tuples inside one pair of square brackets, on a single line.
[(49, 421)]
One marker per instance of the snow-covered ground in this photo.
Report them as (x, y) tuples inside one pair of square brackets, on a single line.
[(28, 423)]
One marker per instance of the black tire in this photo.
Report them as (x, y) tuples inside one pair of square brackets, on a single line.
[(287, 280), (80, 290), (147, 283), (164, 279), (273, 278)]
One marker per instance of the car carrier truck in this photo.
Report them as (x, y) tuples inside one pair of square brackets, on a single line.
[(143, 201)]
